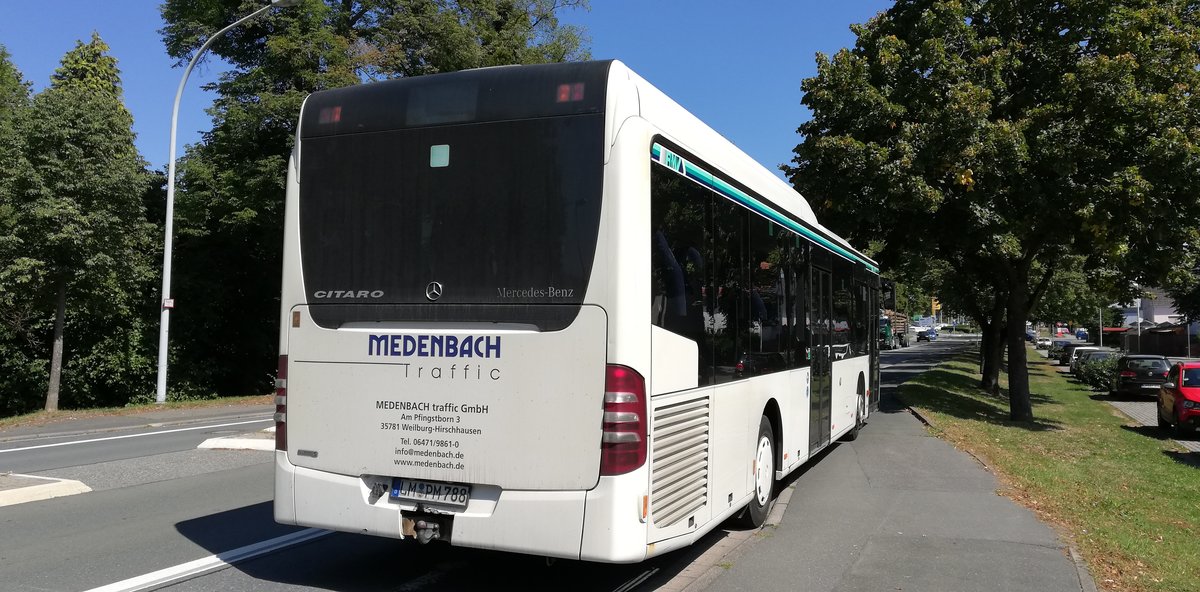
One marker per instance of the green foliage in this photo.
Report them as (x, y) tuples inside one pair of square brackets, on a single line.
[(1022, 134), (231, 185), (1183, 281), (74, 225), (1077, 294), (1098, 374)]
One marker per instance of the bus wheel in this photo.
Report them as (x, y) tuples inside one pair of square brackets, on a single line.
[(764, 477), (852, 435)]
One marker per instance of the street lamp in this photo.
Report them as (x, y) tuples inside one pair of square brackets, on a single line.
[(167, 302)]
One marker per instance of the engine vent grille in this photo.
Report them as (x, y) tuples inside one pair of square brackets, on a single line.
[(679, 478)]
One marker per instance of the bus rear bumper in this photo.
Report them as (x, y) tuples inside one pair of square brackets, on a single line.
[(548, 523)]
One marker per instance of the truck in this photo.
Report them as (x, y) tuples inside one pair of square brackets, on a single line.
[(893, 330)]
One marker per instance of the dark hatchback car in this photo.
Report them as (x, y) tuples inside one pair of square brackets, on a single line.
[(1140, 374), (1056, 347)]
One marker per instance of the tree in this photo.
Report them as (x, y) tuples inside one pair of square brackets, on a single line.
[(230, 208), (79, 230), (1025, 132), (1183, 283), (19, 370)]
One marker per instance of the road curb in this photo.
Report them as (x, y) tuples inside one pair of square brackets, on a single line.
[(1086, 582), (715, 561), (19, 489)]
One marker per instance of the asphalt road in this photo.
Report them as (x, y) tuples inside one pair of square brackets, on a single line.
[(158, 502)]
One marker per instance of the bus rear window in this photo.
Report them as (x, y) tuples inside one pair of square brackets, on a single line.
[(502, 214)]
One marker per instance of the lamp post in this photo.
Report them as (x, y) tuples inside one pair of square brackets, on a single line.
[(167, 302)]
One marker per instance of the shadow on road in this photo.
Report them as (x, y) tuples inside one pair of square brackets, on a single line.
[(359, 563), (1148, 431), (1191, 459), (1104, 396), (234, 528)]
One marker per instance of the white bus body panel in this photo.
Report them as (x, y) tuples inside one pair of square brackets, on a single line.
[(846, 376), (376, 401), (537, 522)]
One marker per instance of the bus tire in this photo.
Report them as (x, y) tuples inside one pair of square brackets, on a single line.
[(852, 435), (760, 505)]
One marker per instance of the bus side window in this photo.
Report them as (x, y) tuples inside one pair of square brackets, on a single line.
[(680, 275)]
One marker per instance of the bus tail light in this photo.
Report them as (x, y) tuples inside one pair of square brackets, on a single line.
[(623, 438), (281, 405)]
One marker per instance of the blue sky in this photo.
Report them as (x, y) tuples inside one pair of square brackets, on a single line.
[(735, 65)]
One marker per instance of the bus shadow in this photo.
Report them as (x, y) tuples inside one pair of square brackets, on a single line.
[(344, 562), (234, 528)]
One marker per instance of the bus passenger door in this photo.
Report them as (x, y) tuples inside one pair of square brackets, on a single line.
[(821, 396)]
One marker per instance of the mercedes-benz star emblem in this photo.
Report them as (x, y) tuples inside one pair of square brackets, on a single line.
[(433, 291)]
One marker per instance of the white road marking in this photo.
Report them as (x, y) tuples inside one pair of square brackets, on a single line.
[(212, 562), (204, 427)]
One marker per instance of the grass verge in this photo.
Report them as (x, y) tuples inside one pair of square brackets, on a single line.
[(39, 418), (1125, 496)]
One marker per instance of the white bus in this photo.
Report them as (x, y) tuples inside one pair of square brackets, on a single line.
[(544, 309)]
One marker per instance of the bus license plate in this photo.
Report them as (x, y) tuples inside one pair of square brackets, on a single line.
[(430, 491)]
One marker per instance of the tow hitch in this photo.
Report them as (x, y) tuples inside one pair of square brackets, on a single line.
[(425, 527)]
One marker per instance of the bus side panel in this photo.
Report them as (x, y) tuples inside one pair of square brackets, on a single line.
[(845, 392), (787, 389), (736, 412), (292, 282), (795, 418)]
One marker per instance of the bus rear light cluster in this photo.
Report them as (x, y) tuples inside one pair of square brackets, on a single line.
[(623, 438), (281, 405)]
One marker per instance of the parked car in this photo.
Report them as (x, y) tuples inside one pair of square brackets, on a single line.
[(1140, 374), (1179, 399), (1056, 347), (1090, 355), (1077, 351), (1068, 352), (1042, 343)]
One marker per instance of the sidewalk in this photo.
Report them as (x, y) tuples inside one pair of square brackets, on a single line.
[(901, 510)]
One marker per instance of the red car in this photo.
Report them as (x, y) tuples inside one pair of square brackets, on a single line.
[(1179, 399)]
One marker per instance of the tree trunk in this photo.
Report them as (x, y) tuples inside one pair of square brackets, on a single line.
[(1020, 407), (56, 353), (993, 356), (992, 348)]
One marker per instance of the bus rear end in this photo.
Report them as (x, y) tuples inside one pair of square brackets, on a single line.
[(443, 370)]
